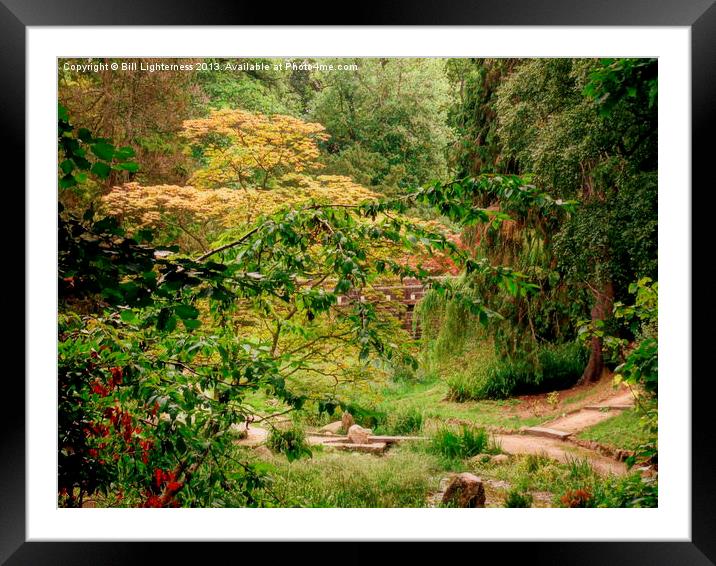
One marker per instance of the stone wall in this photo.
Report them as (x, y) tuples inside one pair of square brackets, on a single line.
[(398, 300)]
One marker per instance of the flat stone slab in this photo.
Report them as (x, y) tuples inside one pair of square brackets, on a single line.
[(548, 432), (332, 428), (394, 439), (324, 438), (372, 448)]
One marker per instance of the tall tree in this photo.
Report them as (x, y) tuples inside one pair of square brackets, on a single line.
[(387, 121), (476, 149), (586, 130), (136, 108)]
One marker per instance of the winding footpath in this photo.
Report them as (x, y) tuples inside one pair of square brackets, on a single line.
[(553, 439)]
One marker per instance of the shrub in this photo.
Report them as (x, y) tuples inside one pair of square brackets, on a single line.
[(561, 365), (366, 416), (291, 442), (466, 443), (465, 386), (402, 372), (577, 498), (627, 491), (404, 421), (533, 462), (549, 368), (517, 498), (506, 378)]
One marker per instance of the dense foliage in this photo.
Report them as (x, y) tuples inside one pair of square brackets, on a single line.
[(202, 253)]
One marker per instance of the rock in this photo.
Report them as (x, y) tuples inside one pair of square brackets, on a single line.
[(263, 451), (372, 448), (481, 459), (347, 421), (622, 455), (500, 459), (464, 490), (359, 435), (239, 430), (333, 428)]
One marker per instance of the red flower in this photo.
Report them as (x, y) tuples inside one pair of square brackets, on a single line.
[(146, 446), (99, 389), (174, 486), (152, 501), (116, 376)]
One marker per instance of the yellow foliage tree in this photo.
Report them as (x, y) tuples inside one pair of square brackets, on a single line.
[(193, 217), (245, 153), (245, 149)]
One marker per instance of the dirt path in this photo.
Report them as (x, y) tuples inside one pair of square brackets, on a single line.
[(592, 414), (563, 451), (551, 439)]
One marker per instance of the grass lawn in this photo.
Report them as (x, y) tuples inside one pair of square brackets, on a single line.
[(431, 399), (623, 431), (401, 478)]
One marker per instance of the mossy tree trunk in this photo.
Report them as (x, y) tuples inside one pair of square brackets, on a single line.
[(603, 302)]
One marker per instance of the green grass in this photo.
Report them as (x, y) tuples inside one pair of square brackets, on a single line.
[(622, 431), (402, 478), (430, 394), (407, 420), (420, 405), (431, 400), (516, 498), (464, 443), (581, 396)]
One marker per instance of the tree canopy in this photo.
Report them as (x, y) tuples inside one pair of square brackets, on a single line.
[(211, 225)]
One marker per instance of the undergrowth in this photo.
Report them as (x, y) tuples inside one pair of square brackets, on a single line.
[(550, 368)]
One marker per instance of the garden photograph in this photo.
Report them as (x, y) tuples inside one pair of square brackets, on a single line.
[(357, 282)]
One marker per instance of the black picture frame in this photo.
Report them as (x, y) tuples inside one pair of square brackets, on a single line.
[(698, 15)]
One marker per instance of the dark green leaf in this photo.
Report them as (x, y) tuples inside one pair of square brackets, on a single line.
[(103, 150), (186, 311), (127, 166), (101, 170)]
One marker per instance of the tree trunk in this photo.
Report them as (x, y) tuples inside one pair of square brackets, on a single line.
[(603, 302)]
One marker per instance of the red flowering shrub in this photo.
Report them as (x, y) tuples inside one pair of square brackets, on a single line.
[(577, 498)]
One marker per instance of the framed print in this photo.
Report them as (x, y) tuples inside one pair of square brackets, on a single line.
[(347, 283)]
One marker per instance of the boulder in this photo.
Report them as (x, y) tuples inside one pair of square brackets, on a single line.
[(464, 490), (347, 421), (500, 459), (359, 435), (333, 428)]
